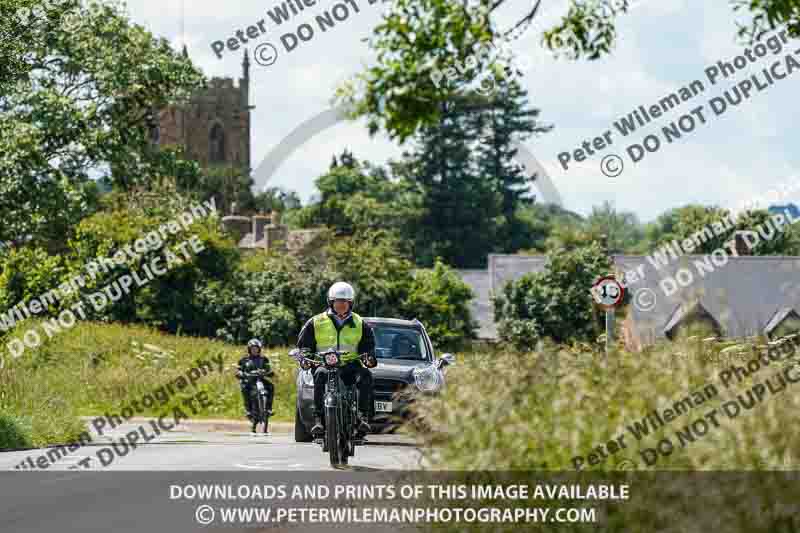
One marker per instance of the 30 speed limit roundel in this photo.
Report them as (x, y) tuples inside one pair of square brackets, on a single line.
[(608, 292)]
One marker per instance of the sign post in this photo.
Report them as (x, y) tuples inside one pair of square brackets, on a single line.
[(608, 293), (609, 329)]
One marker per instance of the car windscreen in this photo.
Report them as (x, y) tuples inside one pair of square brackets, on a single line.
[(392, 342)]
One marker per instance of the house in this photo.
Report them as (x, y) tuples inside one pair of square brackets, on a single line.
[(745, 296)]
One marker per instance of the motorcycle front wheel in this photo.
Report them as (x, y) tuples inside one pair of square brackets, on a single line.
[(337, 454), (262, 408)]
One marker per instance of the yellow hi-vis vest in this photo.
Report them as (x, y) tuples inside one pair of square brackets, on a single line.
[(344, 340)]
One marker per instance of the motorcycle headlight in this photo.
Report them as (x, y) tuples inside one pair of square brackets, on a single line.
[(428, 379), (307, 377), (331, 359)]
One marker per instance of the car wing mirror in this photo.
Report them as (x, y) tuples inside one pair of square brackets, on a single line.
[(447, 359)]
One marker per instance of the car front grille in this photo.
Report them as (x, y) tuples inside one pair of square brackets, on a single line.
[(388, 387)]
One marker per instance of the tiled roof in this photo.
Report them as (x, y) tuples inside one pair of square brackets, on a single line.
[(779, 316), (745, 296), (505, 268), (742, 295)]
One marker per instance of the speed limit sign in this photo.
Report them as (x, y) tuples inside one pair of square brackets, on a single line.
[(608, 292)]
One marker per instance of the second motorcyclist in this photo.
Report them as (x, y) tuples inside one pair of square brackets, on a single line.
[(255, 361)]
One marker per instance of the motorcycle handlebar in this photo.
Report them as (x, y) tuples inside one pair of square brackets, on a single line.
[(307, 359), (255, 373)]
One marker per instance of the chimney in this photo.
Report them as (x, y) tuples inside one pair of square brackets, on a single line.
[(739, 243), (260, 223), (276, 218), (238, 226)]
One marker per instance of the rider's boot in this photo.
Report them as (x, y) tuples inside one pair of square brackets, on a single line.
[(246, 399), (318, 428)]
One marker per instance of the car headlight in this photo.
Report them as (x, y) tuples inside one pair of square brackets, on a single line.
[(331, 359), (428, 379), (308, 378)]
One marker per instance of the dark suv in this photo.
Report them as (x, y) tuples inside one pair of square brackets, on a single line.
[(406, 364)]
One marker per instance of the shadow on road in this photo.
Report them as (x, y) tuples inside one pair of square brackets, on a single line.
[(406, 444), (356, 468)]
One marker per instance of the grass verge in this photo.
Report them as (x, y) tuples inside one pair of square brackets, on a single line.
[(96, 368)]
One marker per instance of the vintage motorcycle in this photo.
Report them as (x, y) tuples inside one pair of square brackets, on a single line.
[(341, 405), (258, 397)]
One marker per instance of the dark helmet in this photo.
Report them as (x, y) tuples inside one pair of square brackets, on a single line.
[(254, 342)]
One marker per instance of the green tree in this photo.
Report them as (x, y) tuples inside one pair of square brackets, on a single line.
[(545, 222), (228, 186), (555, 303), (502, 119), (270, 296), (785, 241), (622, 229), (167, 302), (419, 38), (271, 302), (704, 226), (356, 197), (461, 209), (440, 299), (380, 273), (82, 102)]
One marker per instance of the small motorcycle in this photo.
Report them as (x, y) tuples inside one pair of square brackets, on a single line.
[(258, 397), (341, 405)]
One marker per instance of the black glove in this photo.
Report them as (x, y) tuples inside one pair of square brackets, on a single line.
[(369, 360)]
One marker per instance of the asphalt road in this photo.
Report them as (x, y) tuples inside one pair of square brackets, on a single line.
[(133, 491), (216, 446)]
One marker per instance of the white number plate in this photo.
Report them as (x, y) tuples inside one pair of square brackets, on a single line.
[(383, 407)]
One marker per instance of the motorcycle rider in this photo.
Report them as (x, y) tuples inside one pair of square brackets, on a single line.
[(254, 361), (340, 328)]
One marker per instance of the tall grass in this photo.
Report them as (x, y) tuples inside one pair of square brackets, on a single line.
[(97, 368), (508, 411), (504, 415)]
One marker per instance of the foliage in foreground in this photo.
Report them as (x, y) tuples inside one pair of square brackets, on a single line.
[(506, 411), (504, 415)]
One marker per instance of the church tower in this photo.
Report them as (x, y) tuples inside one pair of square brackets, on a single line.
[(214, 126)]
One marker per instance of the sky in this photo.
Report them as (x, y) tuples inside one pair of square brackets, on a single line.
[(661, 46)]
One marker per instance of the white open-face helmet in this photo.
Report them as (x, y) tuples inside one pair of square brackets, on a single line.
[(341, 291)]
